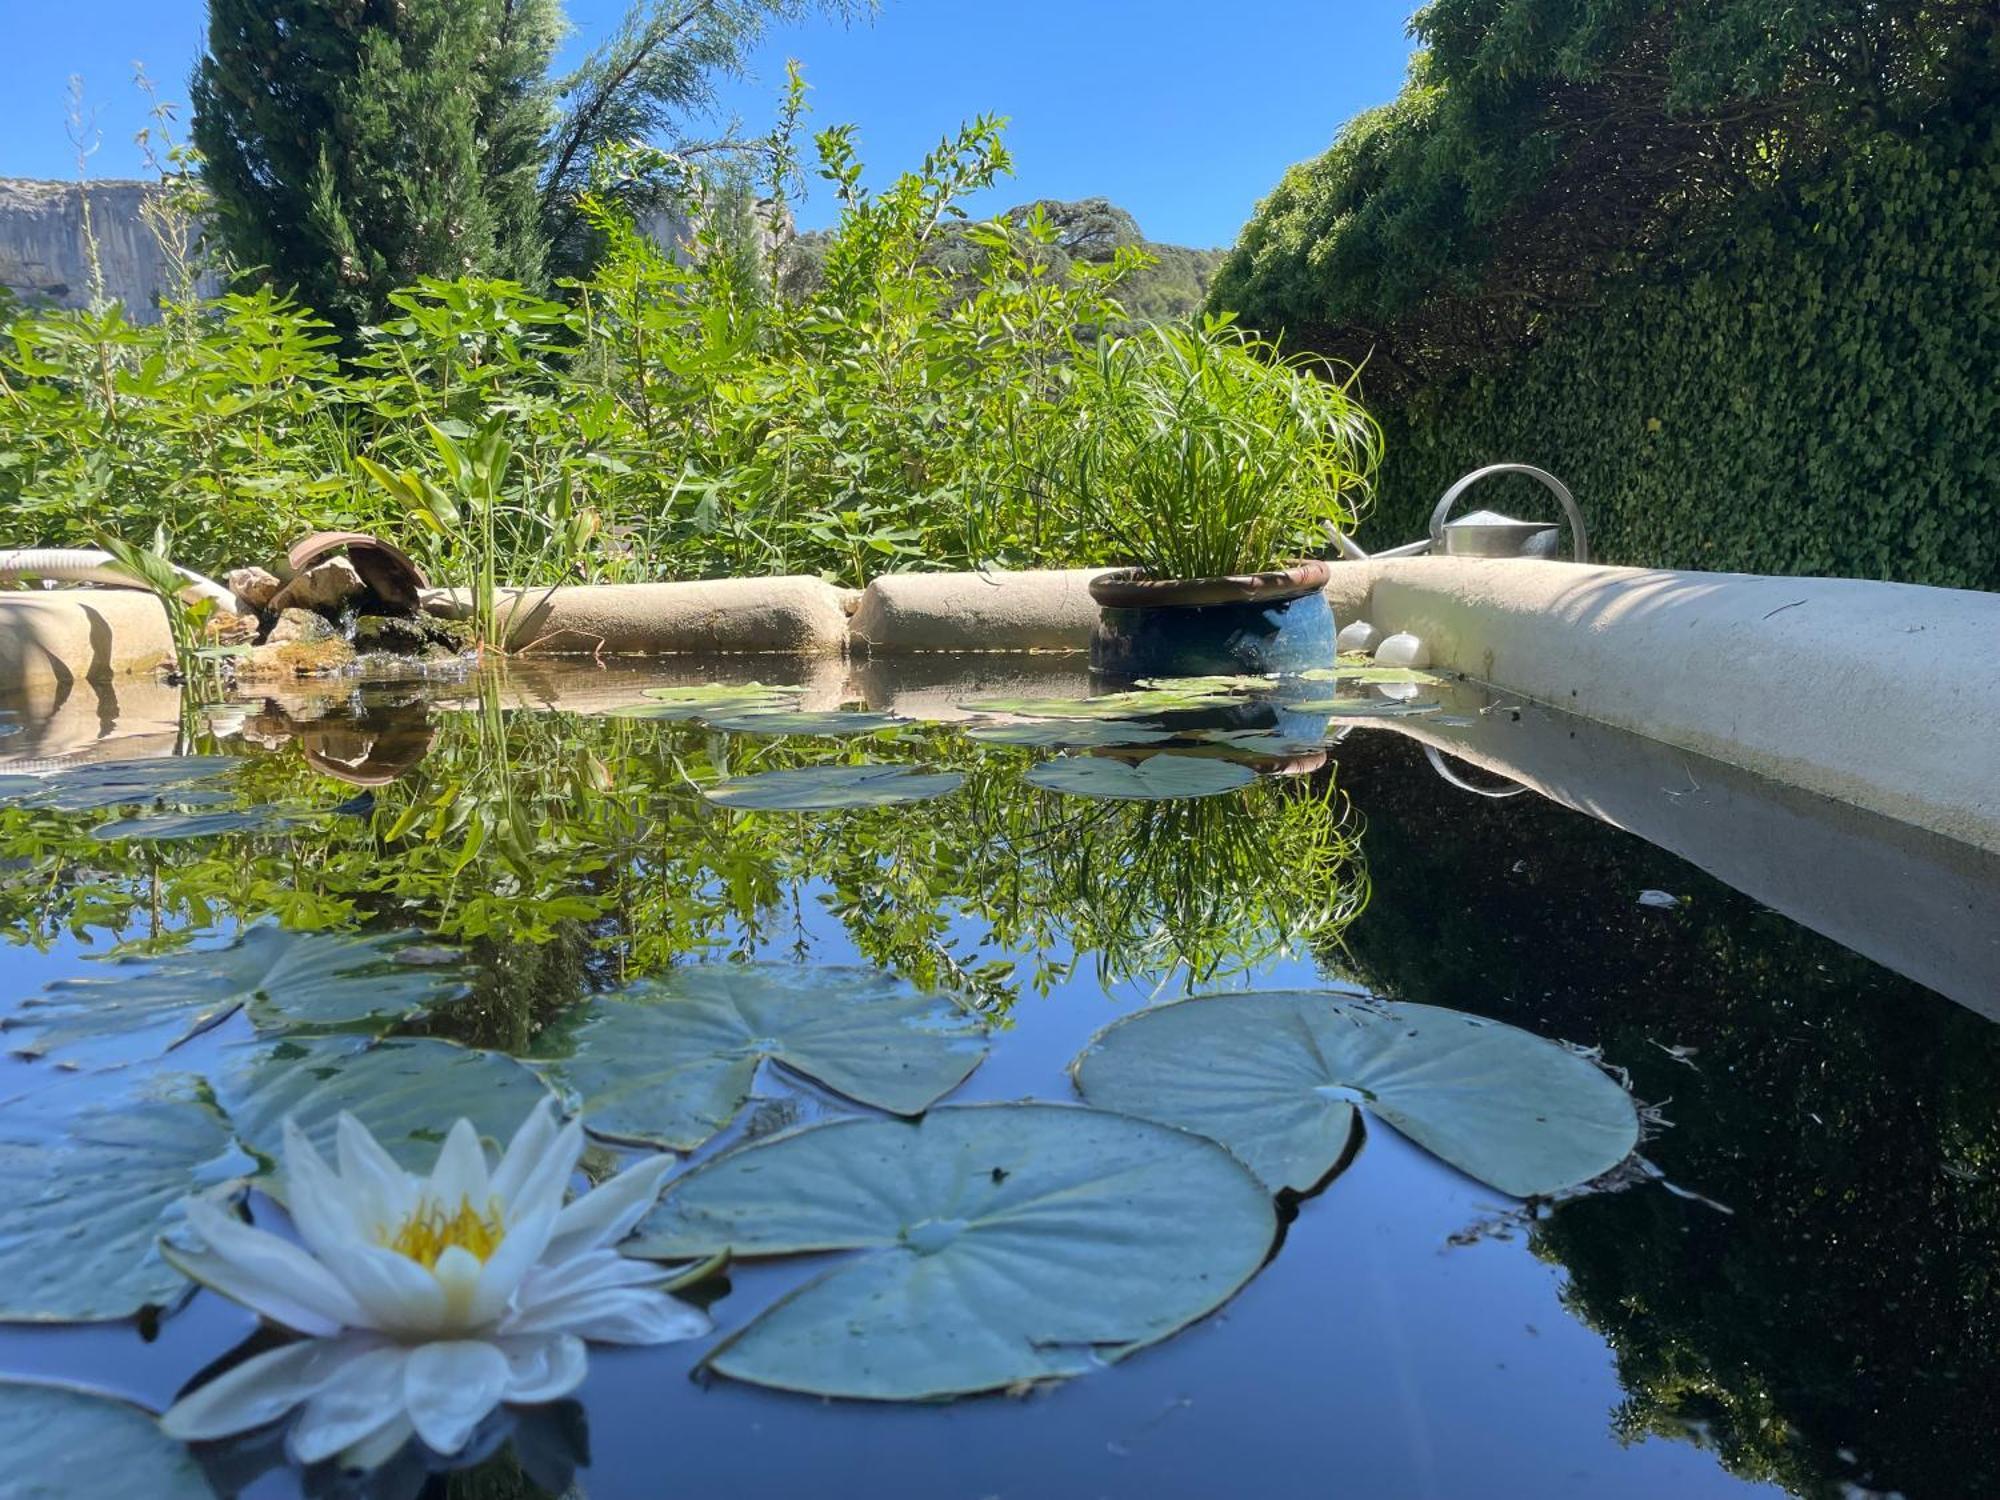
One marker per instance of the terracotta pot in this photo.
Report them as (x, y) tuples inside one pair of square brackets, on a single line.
[(1192, 627)]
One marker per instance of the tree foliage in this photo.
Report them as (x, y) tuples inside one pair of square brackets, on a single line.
[(351, 148)]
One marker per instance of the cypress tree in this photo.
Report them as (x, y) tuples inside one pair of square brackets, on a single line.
[(352, 146)]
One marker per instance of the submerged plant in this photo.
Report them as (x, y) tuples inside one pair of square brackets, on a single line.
[(426, 1301), (1200, 452)]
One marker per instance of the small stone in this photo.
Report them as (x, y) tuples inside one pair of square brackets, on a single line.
[(300, 627), (1358, 635), (325, 585), (1659, 900), (1403, 650), (254, 588), (295, 658)]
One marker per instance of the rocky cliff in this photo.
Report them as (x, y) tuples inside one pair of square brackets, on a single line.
[(43, 250)]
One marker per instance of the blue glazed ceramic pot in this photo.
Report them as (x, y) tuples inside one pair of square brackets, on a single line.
[(1197, 627)]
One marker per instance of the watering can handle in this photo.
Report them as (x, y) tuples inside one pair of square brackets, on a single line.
[(1579, 543)]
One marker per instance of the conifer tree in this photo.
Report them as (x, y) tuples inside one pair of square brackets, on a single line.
[(352, 146)]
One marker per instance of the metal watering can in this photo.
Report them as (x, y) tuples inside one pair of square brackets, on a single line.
[(1487, 533)]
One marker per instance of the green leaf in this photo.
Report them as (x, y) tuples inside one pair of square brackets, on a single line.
[(1214, 685), (1142, 704), (1363, 708), (1275, 1076), (832, 788), (68, 1444), (672, 1060), (157, 828), (697, 700), (998, 1244), (833, 722), (135, 1008), (408, 1091), (1372, 674), (1157, 778), (92, 1170), (116, 783), (1082, 734)]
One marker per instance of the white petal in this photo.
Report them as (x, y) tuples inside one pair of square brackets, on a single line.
[(372, 1176), (319, 1201), (460, 1174), (595, 1271), (546, 1367), (619, 1315), (448, 1388), (359, 1401), (547, 1178), (531, 1142), (606, 1214), (381, 1445), (270, 1276), (394, 1292), (260, 1390), (517, 1254)]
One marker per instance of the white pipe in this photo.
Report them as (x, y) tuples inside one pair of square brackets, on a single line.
[(88, 565)]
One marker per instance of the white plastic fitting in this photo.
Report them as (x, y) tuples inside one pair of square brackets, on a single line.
[(1403, 650), (88, 565), (1358, 635)]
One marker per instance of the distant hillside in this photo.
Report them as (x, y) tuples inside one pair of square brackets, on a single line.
[(1090, 229)]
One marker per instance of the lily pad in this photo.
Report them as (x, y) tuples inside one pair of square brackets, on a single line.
[(1157, 778), (171, 826), (698, 700), (408, 1091), (1139, 704), (833, 722), (118, 783), (1224, 685), (92, 1170), (1276, 1076), (1373, 674), (1364, 708), (63, 1443), (1079, 734), (141, 1007), (672, 1060), (997, 1243), (833, 788), (1257, 741)]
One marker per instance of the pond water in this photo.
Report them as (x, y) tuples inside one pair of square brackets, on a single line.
[(1792, 1287)]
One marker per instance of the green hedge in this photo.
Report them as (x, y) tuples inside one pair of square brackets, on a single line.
[(1814, 389)]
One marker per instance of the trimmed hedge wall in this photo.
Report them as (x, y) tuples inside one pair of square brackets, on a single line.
[(1813, 390)]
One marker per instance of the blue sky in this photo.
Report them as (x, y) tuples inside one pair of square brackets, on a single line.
[(1183, 111)]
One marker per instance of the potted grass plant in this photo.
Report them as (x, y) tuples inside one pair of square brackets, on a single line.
[(1212, 467)]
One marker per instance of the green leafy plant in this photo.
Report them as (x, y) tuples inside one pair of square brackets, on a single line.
[(1200, 452)]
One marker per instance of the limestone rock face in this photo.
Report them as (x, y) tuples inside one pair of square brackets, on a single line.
[(44, 257), (325, 585), (301, 627), (255, 587)]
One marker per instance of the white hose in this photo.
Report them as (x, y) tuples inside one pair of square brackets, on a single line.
[(88, 565)]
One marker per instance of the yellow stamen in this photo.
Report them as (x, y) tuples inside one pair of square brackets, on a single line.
[(430, 1231)]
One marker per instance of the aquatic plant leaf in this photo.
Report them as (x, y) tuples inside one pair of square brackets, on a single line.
[(63, 1443), (1076, 734), (999, 1243), (171, 826), (1276, 1075), (92, 1171), (408, 1091), (672, 1060), (1370, 673), (134, 1008), (1228, 685), (832, 788), (699, 700), (833, 722), (1364, 708), (1157, 778), (1256, 741), (1138, 704), (117, 783)]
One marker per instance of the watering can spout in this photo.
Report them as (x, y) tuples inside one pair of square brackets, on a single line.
[(1487, 533)]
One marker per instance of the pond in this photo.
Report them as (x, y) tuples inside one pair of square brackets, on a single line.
[(1600, 1120)]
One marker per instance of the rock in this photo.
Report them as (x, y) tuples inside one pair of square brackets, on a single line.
[(253, 587), (396, 635), (296, 658), (325, 585), (301, 627)]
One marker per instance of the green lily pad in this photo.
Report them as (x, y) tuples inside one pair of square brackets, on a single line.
[(1256, 741), (699, 700), (1079, 734), (833, 722), (118, 783), (997, 1244), (63, 1443), (408, 1091), (1206, 685), (1364, 708), (1157, 778), (672, 1060), (833, 788), (167, 827), (1276, 1076), (135, 1008), (1139, 704), (92, 1170), (1373, 674)]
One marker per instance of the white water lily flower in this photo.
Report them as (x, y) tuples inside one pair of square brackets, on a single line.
[(428, 1301)]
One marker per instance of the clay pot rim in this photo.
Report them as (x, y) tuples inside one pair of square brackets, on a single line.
[(1131, 588)]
